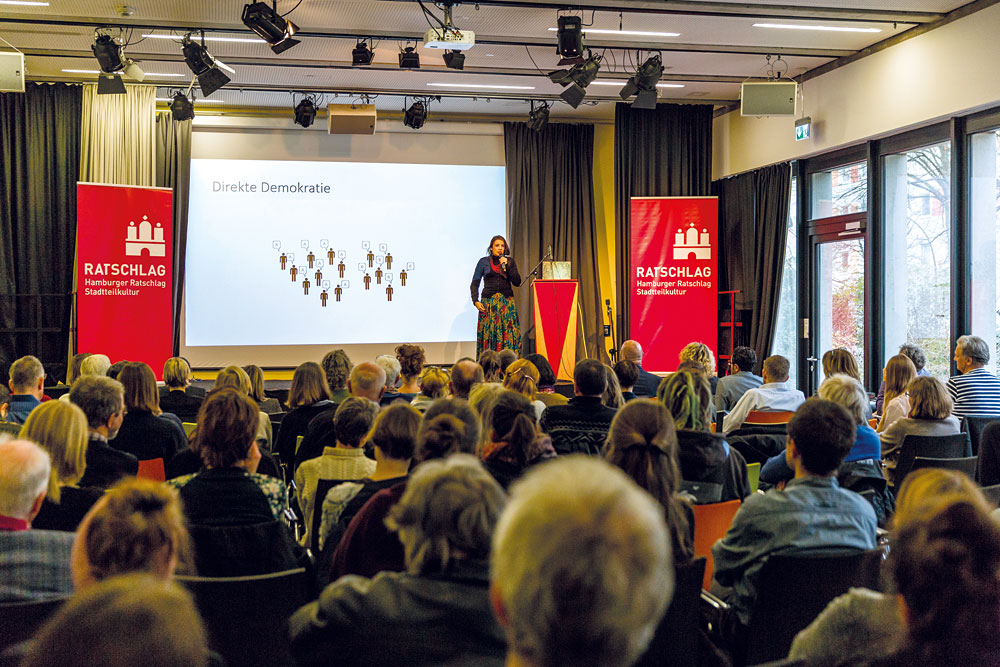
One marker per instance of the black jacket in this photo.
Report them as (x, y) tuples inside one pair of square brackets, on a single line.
[(106, 465), (580, 426), (702, 458), (146, 436)]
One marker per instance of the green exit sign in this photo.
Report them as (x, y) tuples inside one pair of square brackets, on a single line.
[(802, 128)]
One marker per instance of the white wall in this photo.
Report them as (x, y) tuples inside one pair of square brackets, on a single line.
[(946, 71)]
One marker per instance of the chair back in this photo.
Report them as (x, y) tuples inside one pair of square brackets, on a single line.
[(298, 442), (753, 474), (989, 455), (768, 417), (792, 590), (152, 469), (711, 522), (704, 493), (21, 620), (323, 487), (10, 428), (245, 550), (934, 446), (975, 426), (188, 428), (966, 464), (873, 422), (992, 493), (247, 617), (676, 640)]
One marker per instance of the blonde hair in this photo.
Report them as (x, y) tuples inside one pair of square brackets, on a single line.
[(701, 354), (928, 398), (522, 377), (309, 385), (235, 377), (434, 382), (60, 428), (840, 361), (923, 488), (687, 397), (899, 370), (612, 396), (95, 364), (176, 373), (846, 392)]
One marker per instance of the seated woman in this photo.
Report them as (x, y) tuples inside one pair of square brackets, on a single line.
[(514, 442), (711, 471), (505, 358), (546, 381), (930, 414), (267, 405), (337, 367), (841, 362), (60, 428), (702, 355), (411, 365), (146, 432), (178, 399), (613, 397), (522, 376), (482, 398), (642, 441), (437, 611), (434, 383), (308, 396), (896, 377), (490, 362)]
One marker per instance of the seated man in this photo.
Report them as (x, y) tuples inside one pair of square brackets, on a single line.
[(627, 373), (103, 402), (774, 395), (582, 424), (740, 379), (581, 571), (27, 386), (976, 392), (34, 564), (647, 384), (811, 512), (464, 374)]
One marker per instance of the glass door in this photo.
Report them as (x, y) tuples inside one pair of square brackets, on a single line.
[(841, 298)]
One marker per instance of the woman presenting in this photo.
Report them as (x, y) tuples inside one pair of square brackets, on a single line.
[(498, 326)]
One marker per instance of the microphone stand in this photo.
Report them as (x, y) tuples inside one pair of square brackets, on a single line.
[(533, 274), (613, 352)]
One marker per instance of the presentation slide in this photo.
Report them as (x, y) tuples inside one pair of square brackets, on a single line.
[(283, 253)]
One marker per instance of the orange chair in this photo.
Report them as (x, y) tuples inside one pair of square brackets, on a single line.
[(711, 522), (152, 469), (873, 422), (762, 417)]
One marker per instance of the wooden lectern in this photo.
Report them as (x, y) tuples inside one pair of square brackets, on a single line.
[(556, 314)]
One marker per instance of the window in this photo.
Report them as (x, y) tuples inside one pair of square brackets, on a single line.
[(984, 207), (842, 297), (786, 333), (839, 191)]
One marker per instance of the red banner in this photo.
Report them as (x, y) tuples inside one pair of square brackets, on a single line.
[(124, 246), (673, 262)]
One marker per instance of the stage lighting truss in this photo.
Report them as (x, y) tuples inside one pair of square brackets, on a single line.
[(538, 118), (409, 58), (643, 83), (204, 66), (182, 108), (576, 79), (271, 26), (363, 54), (569, 40), (305, 111)]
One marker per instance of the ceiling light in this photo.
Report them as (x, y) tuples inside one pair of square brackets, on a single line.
[(622, 83), (181, 108), (569, 44), (576, 79), (204, 66), (538, 118), (409, 58), (643, 83), (108, 53), (627, 33), (415, 116), (211, 38), (305, 112), (271, 26), (82, 71), (362, 55), (163, 74), (485, 86), (454, 60), (829, 28), (25, 3)]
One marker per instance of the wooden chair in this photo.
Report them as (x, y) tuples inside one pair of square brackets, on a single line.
[(766, 417), (711, 522), (941, 446), (152, 469), (966, 464)]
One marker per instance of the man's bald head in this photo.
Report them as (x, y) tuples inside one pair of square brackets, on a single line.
[(631, 351), (24, 478), (464, 374), (367, 381)]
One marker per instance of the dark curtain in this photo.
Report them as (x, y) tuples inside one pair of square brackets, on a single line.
[(173, 170), (737, 236), (550, 200), (40, 153), (662, 152)]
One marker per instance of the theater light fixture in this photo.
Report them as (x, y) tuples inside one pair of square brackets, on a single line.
[(272, 27), (305, 112), (362, 54), (204, 66), (409, 58), (538, 118), (415, 115), (181, 108), (570, 40), (110, 84), (576, 79), (643, 83), (108, 52), (454, 60)]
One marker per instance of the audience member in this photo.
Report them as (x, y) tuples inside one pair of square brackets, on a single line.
[(773, 395), (916, 355), (116, 368), (337, 367), (468, 435), (841, 362), (344, 461), (437, 611), (976, 391), (642, 442), (178, 396), (61, 430), (390, 366), (4, 402), (514, 442), (73, 370), (647, 383), (34, 564), (128, 621), (102, 401), (267, 404), (710, 469), (236, 378), (96, 364), (27, 387), (522, 377), (812, 511), (411, 365), (434, 383), (896, 376), (489, 360), (308, 396), (582, 424), (465, 374), (627, 373), (612, 397), (702, 355), (481, 400), (506, 357), (581, 569), (146, 432), (546, 381), (740, 379), (930, 414)]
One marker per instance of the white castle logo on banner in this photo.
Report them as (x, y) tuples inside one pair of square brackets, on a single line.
[(689, 244), (145, 238)]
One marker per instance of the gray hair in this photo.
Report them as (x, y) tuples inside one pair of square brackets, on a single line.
[(581, 562), (95, 364), (846, 392), (390, 364), (25, 373), (974, 348), (353, 419), (448, 511), (99, 397), (914, 354), (24, 474)]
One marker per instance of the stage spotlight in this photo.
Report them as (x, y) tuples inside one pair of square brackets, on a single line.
[(108, 53), (576, 79), (269, 24), (362, 55), (538, 118), (416, 115), (454, 60), (570, 40), (643, 83), (204, 66), (409, 58), (305, 112), (181, 108)]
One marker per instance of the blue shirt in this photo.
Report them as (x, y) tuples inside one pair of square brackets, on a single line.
[(732, 387), (20, 407), (867, 446)]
